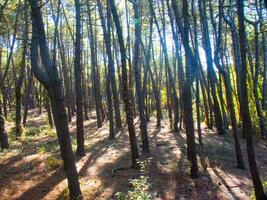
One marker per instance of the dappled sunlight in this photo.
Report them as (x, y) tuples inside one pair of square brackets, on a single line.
[(106, 169)]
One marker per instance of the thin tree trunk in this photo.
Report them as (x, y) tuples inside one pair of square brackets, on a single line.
[(137, 74), (125, 89), (94, 69), (78, 82)]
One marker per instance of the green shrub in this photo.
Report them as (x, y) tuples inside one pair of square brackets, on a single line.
[(140, 186), (64, 195), (53, 163), (32, 132), (42, 149)]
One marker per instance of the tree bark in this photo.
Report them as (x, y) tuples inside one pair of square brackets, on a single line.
[(78, 82), (49, 78), (247, 126), (137, 75), (125, 89)]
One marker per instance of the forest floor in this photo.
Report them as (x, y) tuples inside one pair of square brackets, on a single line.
[(32, 169)]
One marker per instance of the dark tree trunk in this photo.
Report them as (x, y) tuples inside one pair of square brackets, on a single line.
[(131, 70), (218, 55), (48, 110), (264, 44), (111, 69), (49, 78), (211, 73), (196, 50), (66, 78), (95, 77), (3, 135), (191, 69), (200, 141), (78, 82), (256, 83), (168, 68), (247, 126), (19, 79), (110, 109), (137, 75), (3, 76), (27, 98), (125, 89), (148, 68)]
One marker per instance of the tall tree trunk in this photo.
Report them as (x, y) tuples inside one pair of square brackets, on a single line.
[(27, 97), (66, 78), (78, 82), (247, 126), (19, 79), (211, 73), (48, 110), (125, 89), (264, 44), (49, 78), (218, 56), (95, 77), (111, 70), (148, 68), (200, 141), (110, 109), (167, 65), (191, 69), (137, 75), (256, 83), (131, 70)]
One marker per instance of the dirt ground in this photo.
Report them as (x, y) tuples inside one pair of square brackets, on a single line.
[(24, 174)]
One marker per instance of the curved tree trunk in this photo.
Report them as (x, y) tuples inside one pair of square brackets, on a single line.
[(49, 78), (247, 126)]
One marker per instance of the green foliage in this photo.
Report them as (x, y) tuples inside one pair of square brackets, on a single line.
[(12, 132), (40, 131), (89, 193), (53, 163), (64, 195), (42, 149), (164, 96), (140, 186), (32, 132)]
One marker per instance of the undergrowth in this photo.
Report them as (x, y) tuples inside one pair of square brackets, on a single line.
[(140, 186), (91, 190), (53, 163), (252, 193)]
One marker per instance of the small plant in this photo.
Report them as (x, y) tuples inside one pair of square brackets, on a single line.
[(44, 131), (49, 132), (32, 132), (63, 195), (187, 165), (140, 186), (42, 150), (12, 132), (90, 191), (53, 163)]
